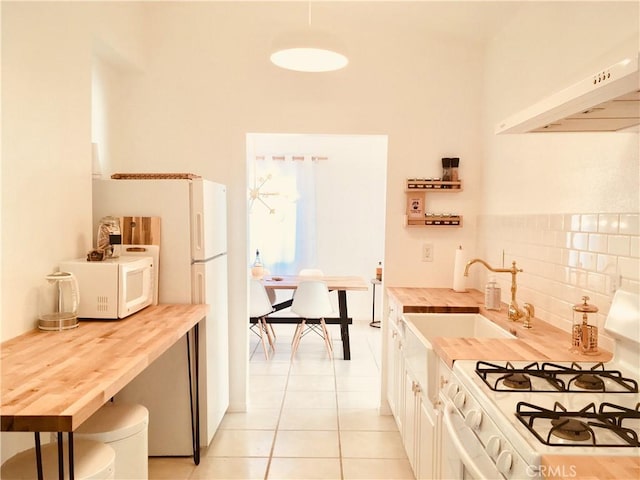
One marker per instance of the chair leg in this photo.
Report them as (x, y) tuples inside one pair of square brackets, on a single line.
[(327, 338), (262, 339), (296, 337), (270, 335)]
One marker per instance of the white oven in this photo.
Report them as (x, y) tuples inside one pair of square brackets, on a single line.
[(473, 445)]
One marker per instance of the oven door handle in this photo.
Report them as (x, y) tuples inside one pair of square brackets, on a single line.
[(479, 466)]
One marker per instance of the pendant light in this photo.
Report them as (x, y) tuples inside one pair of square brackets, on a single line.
[(308, 50)]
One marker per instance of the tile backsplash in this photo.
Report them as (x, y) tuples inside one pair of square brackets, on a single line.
[(564, 257)]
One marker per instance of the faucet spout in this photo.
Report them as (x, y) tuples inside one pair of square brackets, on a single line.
[(514, 312)]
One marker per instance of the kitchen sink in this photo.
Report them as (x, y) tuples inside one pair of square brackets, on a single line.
[(432, 325), (422, 327)]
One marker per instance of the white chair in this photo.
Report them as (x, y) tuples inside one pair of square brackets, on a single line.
[(312, 301), (259, 307)]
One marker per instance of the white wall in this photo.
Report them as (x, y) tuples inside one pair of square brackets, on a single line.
[(46, 147)]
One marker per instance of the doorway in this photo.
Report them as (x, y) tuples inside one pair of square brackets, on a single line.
[(349, 204)]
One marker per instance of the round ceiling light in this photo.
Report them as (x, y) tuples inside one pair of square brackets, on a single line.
[(308, 51), (307, 59)]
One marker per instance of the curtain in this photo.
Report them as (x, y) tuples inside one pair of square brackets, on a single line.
[(282, 213)]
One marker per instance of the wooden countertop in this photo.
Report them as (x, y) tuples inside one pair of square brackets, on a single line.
[(542, 342), (561, 467), (54, 381)]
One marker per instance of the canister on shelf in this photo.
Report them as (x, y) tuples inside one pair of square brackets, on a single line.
[(584, 337)]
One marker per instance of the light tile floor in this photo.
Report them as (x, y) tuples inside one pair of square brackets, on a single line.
[(310, 418)]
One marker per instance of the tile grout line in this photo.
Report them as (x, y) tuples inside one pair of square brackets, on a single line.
[(275, 433), (335, 386)]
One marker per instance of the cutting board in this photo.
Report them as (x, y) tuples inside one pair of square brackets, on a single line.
[(140, 230)]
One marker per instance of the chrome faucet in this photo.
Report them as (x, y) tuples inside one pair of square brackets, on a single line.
[(514, 312)]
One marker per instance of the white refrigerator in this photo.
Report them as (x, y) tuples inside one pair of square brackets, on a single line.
[(193, 269)]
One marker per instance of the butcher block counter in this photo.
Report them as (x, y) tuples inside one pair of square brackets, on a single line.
[(541, 342), (54, 381)]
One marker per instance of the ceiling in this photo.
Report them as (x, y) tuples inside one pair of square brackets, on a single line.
[(474, 20)]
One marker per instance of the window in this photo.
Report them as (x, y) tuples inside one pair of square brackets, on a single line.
[(282, 212)]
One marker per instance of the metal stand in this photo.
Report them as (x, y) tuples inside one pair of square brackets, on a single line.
[(374, 323), (194, 389)]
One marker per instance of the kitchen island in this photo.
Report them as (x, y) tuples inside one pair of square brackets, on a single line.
[(543, 342), (54, 381)]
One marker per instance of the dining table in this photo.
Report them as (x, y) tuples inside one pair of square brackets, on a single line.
[(338, 283)]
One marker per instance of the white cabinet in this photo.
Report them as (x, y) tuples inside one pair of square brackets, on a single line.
[(428, 452), (420, 428), (395, 365)]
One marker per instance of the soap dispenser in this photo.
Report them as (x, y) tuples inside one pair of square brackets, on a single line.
[(492, 295)]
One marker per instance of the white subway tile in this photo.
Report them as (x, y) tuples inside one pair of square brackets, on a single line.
[(607, 264), (580, 241), (634, 247), (608, 223), (629, 268), (589, 223), (587, 260), (630, 224), (619, 245), (556, 222), (574, 223), (596, 282), (597, 243)]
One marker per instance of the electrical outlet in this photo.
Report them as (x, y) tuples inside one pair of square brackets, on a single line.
[(427, 252)]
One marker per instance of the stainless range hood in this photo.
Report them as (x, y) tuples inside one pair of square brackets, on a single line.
[(608, 101)]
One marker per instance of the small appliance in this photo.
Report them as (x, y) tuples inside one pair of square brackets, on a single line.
[(114, 288)]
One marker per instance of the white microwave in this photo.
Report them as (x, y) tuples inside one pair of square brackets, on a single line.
[(114, 288)]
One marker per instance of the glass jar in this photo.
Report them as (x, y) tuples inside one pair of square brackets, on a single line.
[(109, 237), (492, 295), (58, 301)]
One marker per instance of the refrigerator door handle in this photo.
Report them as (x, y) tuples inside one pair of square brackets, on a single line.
[(199, 232), (199, 286)]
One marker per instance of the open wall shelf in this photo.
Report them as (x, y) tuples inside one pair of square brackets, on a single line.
[(417, 215)]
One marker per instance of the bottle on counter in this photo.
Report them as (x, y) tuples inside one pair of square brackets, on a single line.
[(257, 269), (492, 295), (379, 272)]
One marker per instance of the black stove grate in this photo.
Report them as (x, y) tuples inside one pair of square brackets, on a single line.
[(610, 417), (558, 378)]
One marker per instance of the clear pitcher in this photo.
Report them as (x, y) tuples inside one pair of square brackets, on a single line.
[(58, 300)]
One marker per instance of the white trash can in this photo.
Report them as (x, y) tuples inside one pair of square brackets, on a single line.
[(92, 461), (124, 427)]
